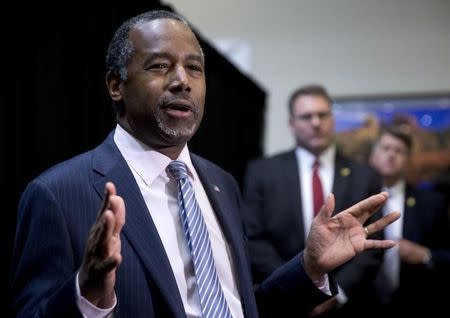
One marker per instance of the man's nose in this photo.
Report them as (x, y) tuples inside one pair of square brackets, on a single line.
[(179, 79), (315, 120)]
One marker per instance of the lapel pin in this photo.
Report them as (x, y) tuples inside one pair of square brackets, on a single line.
[(410, 202), (345, 172), (216, 188)]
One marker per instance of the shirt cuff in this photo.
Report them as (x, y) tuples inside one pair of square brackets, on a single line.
[(324, 285), (88, 310), (341, 297)]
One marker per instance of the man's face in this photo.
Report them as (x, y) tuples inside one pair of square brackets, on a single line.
[(312, 123), (164, 93), (390, 157)]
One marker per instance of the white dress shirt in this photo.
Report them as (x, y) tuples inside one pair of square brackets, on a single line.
[(394, 231), (305, 161), (160, 195)]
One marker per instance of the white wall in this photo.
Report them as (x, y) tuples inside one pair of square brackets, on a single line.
[(352, 47)]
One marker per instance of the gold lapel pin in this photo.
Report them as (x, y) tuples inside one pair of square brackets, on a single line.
[(345, 172), (410, 202)]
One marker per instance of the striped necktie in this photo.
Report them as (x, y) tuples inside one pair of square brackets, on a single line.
[(212, 299)]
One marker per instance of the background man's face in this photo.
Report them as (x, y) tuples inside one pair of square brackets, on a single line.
[(312, 123)]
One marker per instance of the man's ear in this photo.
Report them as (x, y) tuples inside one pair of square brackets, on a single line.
[(113, 84)]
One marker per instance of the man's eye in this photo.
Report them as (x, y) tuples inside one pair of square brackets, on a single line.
[(305, 117), (159, 66), (195, 68)]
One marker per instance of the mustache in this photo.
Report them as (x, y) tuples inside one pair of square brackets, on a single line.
[(166, 100)]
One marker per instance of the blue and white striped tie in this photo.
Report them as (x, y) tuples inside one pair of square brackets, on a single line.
[(212, 299)]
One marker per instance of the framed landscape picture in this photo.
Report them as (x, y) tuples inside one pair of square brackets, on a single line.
[(426, 116)]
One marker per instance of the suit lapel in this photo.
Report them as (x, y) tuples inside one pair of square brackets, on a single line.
[(342, 175), (139, 228), (214, 193), (293, 190), (410, 220), (217, 196)]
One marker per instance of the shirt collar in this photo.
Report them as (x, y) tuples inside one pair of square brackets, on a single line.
[(396, 189), (144, 160), (326, 158)]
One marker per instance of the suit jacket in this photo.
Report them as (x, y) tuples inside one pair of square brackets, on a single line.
[(273, 217), (58, 208), (426, 222)]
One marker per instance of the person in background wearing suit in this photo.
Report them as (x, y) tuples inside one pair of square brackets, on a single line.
[(413, 270), (167, 240), (282, 195)]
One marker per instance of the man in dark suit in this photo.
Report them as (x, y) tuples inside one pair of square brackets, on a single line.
[(72, 261), (412, 271), (280, 200)]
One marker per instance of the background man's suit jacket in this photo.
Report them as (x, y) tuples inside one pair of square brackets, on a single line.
[(426, 222), (58, 208), (273, 217)]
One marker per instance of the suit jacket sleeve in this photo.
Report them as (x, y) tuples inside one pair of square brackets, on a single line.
[(43, 265), (289, 290)]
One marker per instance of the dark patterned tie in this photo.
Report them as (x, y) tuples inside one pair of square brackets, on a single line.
[(317, 188), (212, 299)]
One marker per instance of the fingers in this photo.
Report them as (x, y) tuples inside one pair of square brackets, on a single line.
[(327, 208), (107, 247), (114, 203), (365, 208), (377, 244), (103, 245), (103, 249), (117, 206), (110, 190), (378, 226), (382, 223), (111, 220)]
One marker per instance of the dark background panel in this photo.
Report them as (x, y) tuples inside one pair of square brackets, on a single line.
[(55, 104)]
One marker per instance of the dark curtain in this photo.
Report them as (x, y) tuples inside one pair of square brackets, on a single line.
[(231, 132), (55, 103)]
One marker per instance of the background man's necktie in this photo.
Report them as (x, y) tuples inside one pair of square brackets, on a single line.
[(212, 299), (317, 188), (390, 270)]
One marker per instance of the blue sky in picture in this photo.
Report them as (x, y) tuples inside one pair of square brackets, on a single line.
[(430, 113)]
